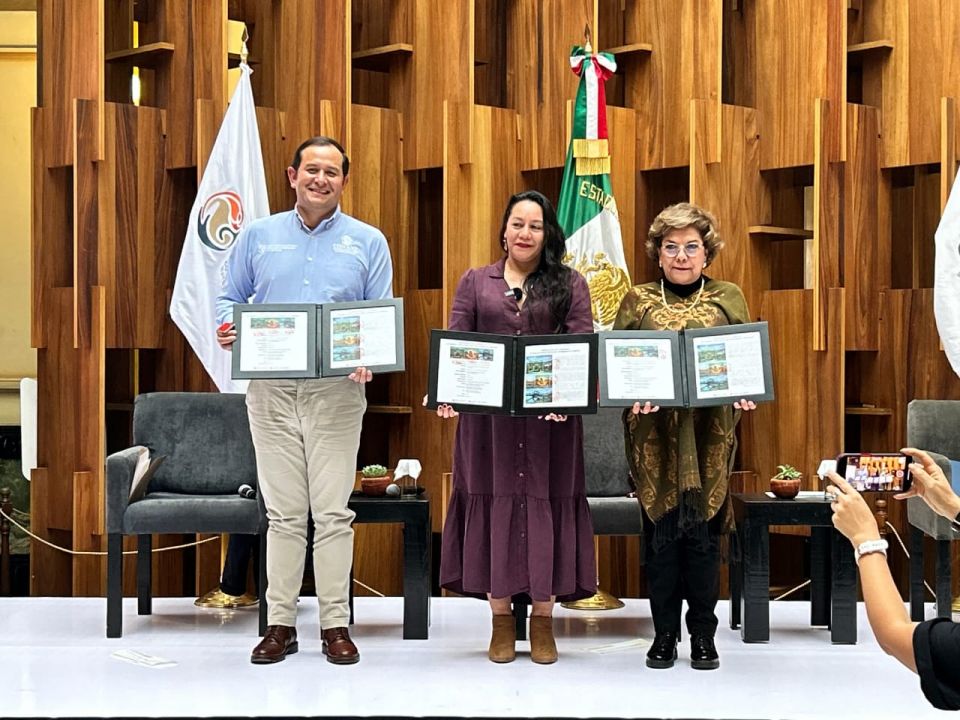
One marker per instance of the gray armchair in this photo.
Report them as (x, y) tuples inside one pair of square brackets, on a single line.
[(607, 481), (608, 476), (934, 426), (205, 438)]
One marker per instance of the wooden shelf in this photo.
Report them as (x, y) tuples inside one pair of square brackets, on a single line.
[(389, 409), (233, 60), (780, 233), (872, 46), (146, 56), (119, 406), (630, 49), (858, 410), (380, 59)]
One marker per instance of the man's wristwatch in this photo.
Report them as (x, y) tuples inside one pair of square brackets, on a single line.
[(869, 547)]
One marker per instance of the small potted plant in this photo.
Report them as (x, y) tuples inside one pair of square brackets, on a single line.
[(374, 480), (786, 483)]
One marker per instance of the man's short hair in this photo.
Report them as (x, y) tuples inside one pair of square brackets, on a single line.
[(320, 141)]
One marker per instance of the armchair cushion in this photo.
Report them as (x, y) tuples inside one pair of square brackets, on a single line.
[(604, 456), (162, 512), (205, 438), (608, 476), (934, 426), (921, 516)]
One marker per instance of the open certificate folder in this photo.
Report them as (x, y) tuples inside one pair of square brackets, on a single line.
[(295, 340), (690, 368), (504, 374)]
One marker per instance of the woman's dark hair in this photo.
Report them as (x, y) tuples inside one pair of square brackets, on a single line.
[(550, 282)]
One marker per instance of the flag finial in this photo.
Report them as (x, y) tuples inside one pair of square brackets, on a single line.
[(586, 39), (243, 46)]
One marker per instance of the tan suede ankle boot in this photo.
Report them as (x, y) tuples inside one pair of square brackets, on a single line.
[(503, 642), (543, 648)]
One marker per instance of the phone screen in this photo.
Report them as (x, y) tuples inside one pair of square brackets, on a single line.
[(875, 472)]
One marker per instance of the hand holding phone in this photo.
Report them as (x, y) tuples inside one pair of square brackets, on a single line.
[(875, 472)]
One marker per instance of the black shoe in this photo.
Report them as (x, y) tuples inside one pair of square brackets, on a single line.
[(663, 653), (703, 653)]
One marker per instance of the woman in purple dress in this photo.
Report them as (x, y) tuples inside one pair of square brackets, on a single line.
[(518, 523)]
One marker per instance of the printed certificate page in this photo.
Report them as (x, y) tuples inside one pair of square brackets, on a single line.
[(639, 369), (470, 373), (728, 365), (556, 375), (363, 336), (273, 341)]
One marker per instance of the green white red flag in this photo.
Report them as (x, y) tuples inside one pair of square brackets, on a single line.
[(587, 210)]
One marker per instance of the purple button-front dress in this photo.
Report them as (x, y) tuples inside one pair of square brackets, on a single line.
[(518, 521)]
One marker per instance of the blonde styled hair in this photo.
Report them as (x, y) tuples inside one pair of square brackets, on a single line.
[(684, 215)]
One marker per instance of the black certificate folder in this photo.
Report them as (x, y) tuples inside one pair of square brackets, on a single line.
[(293, 340), (690, 368), (513, 375)]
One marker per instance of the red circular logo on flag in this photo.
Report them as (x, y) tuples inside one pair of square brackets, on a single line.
[(220, 220)]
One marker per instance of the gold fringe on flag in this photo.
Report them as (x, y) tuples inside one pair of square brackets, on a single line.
[(595, 148), (593, 166)]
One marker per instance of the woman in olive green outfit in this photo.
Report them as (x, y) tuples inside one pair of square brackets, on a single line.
[(681, 458)]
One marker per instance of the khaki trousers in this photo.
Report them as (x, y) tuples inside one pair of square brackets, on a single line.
[(306, 434)]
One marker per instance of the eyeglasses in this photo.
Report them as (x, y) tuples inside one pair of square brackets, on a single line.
[(690, 249)]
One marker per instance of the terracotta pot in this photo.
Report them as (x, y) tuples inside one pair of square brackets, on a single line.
[(785, 488), (375, 487)]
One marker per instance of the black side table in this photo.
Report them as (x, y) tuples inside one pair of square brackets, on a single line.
[(832, 567), (414, 513)]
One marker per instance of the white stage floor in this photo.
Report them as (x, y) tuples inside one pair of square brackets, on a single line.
[(55, 661)]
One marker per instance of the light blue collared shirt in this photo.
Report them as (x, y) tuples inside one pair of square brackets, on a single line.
[(278, 259)]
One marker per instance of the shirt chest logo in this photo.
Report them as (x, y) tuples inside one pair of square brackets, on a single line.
[(275, 248), (346, 245)]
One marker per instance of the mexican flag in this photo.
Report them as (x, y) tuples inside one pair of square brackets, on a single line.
[(587, 211)]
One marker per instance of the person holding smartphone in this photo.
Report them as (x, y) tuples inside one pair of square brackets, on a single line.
[(932, 648)]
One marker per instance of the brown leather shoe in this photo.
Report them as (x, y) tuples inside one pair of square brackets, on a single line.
[(338, 647), (278, 642)]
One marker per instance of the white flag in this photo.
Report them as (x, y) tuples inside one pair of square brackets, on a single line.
[(946, 281), (232, 193)]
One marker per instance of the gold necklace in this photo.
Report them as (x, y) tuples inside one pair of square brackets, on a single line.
[(680, 311)]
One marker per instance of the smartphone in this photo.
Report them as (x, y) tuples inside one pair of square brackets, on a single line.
[(875, 472)]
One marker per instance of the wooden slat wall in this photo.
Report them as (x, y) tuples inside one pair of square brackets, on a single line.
[(866, 260), (439, 71), (727, 108), (797, 49), (684, 65), (805, 423), (743, 260), (540, 34), (74, 29)]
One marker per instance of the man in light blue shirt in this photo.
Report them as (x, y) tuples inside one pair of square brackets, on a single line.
[(306, 433)]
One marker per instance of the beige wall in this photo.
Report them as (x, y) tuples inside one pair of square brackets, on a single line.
[(18, 80)]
